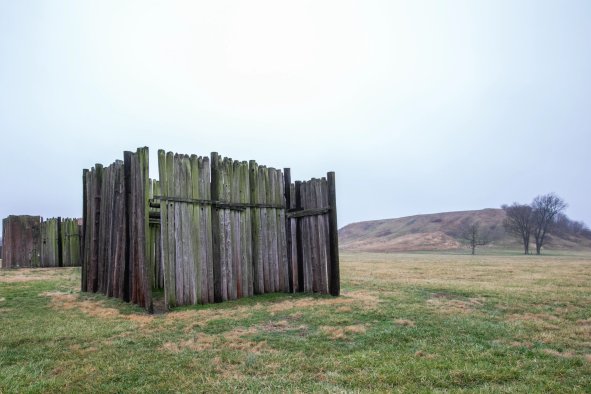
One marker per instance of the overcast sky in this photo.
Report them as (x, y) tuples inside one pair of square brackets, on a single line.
[(419, 106)]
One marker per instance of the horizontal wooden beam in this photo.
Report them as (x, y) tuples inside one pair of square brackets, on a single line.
[(292, 214), (217, 204)]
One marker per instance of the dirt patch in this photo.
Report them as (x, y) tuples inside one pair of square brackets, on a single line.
[(404, 323), (343, 332)]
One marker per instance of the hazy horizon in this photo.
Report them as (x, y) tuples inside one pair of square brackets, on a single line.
[(419, 107)]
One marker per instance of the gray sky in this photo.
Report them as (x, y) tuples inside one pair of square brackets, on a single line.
[(419, 106)]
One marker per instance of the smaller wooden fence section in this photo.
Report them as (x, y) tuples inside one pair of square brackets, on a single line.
[(60, 242), (21, 241), (313, 233), (34, 242)]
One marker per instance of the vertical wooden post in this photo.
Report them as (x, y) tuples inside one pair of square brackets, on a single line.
[(257, 257), (196, 241), (96, 215), (60, 245), (84, 222), (215, 224), (208, 231), (335, 284), (287, 194), (299, 238), (127, 219)]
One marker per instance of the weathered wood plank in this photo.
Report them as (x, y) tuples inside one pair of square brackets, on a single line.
[(178, 234), (334, 236), (288, 228), (321, 240), (266, 245), (274, 230), (256, 236), (282, 234), (206, 186), (96, 214), (217, 232), (195, 213), (236, 231), (299, 238), (85, 232), (188, 260), (127, 187), (245, 232)]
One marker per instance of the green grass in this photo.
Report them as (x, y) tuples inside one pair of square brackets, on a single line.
[(405, 322)]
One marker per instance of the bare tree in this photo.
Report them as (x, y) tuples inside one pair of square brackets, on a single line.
[(472, 235), (519, 222), (544, 211)]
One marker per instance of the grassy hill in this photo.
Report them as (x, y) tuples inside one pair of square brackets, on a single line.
[(440, 231)]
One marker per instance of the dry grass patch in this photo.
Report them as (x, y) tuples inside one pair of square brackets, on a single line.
[(82, 351), (364, 299), (198, 343), (19, 275), (559, 354), (525, 344), (343, 332), (425, 355), (541, 320), (227, 371), (68, 301), (233, 339), (206, 315), (404, 323), (444, 304), (515, 274)]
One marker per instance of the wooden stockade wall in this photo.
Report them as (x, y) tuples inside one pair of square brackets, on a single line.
[(60, 243), (213, 230), (34, 242), (21, 241), (313, 235), (115, 228)]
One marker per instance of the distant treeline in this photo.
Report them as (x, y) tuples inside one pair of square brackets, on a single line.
[(564, 226)]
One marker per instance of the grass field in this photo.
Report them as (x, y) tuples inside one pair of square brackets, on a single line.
[(405, 322)]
